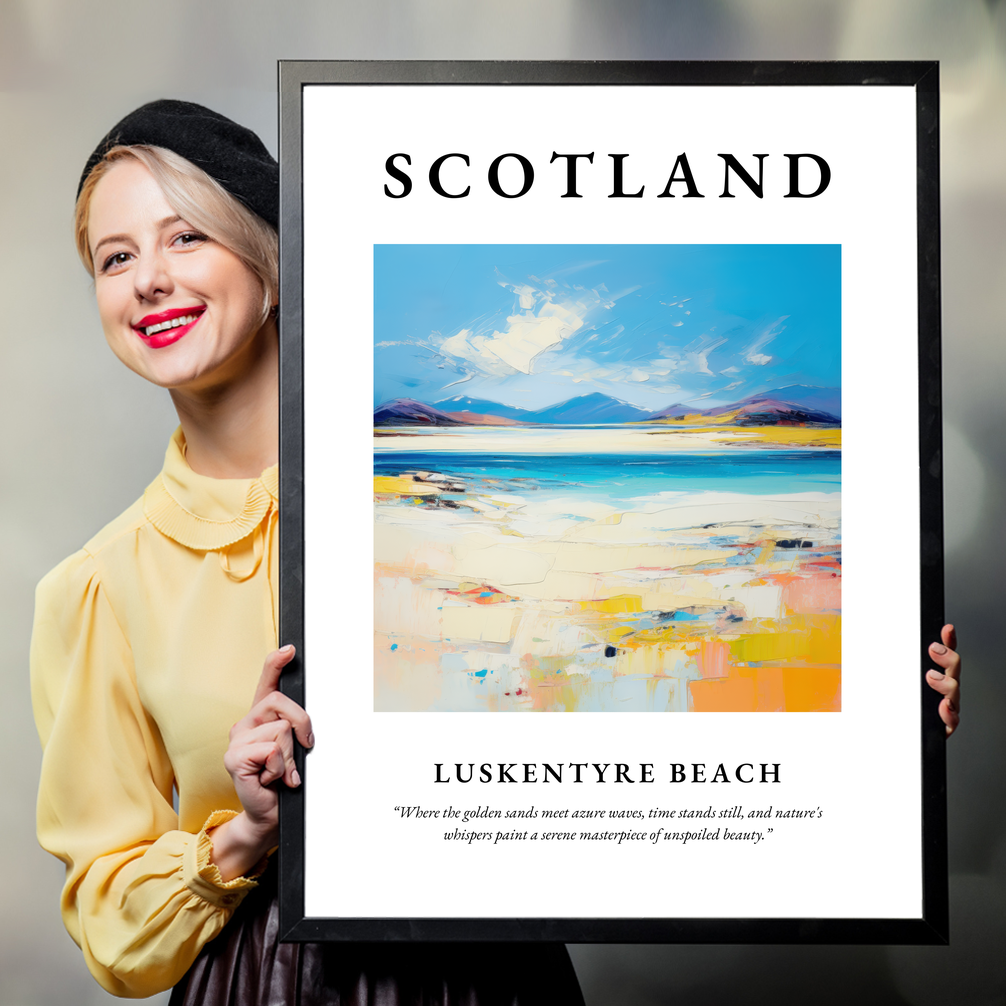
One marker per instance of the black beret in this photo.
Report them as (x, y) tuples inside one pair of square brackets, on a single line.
[(231, 154)]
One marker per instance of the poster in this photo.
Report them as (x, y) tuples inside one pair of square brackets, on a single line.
[(607, 454)]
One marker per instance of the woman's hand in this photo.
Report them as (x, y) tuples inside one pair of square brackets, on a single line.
[(260, 753), (948, 681)]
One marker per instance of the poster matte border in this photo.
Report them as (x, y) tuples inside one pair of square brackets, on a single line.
[(933, 926)]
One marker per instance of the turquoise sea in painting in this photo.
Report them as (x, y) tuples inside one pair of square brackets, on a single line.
[(624, 478)]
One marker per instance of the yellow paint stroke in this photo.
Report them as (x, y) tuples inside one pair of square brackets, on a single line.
[(804, 436), (816, 639), (402, 486), (615, 605)]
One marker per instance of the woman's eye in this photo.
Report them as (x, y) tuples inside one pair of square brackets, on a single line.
[(190, 238), (114, 261)]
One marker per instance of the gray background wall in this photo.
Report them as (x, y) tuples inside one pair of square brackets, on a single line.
[(82, 436)]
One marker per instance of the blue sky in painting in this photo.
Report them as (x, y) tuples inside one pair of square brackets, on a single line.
[(654, 325)]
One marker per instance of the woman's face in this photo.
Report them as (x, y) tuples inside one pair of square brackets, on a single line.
[(177, 308)]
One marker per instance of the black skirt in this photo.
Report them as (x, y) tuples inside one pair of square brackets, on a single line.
[(246, 965)]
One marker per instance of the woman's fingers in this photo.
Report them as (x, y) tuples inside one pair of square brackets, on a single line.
[(278, 735), (274, 767), (261, 749), (949, 636), (944, 684), (949, 688), (277, 706), (270, 703), (260, 761), (947, 680), (271, 671), (949, 711), (950, 716), (948, 659)]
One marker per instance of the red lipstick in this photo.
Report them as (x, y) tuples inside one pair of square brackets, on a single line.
[(165, 333)]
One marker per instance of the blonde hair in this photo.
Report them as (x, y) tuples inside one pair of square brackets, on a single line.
[(199, 200)]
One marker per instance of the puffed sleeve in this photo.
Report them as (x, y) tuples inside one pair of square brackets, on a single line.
[(141, 898)]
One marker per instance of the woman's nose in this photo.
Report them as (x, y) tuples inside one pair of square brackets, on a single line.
[(152, 277)]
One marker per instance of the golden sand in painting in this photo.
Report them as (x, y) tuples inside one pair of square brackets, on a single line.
[(727, 433), (704, 602)]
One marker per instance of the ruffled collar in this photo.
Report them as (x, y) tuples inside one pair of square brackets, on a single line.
[(203, 513)]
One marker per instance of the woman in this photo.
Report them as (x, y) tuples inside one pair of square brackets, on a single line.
[(148, 643)]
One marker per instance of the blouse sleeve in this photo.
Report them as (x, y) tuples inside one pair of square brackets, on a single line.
[(141, 898)]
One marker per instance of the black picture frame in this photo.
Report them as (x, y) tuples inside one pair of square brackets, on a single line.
[(932, 926)]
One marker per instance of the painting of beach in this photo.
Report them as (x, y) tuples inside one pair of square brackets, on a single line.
[(607, 478)]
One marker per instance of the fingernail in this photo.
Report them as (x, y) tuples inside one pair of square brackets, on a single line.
[(310, 740), (295, 777), (287, 649), (938, 648), (936, 675)]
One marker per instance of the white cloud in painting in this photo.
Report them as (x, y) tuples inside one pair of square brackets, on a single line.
[(526, 294), (544, 318), (669, 359), (464, 378), (763, 336), (513, 351), (607, 376), (592, 374), (541, 322), (697, 353)]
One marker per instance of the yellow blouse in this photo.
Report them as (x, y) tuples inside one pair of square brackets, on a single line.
[(147, 647)]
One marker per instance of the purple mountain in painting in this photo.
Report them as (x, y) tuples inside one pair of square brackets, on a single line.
[(806, 396), (769, 412), (589, 409), (409, 412), (796, 403), (483, 407)]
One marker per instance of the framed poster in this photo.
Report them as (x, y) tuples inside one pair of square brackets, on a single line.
[(611, 501)]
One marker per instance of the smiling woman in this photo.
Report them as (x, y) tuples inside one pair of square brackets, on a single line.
[(149, 643), (158, 278)]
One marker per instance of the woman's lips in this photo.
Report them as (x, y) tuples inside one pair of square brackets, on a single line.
[(164, 328)]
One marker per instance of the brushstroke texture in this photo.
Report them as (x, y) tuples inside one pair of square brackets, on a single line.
[(669, 548)]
